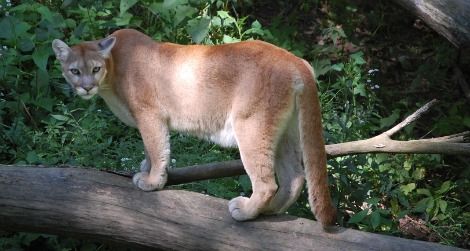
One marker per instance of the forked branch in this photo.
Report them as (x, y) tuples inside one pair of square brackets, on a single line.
[(383, 143)]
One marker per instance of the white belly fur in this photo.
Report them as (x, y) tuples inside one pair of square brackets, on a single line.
[(226, 136)]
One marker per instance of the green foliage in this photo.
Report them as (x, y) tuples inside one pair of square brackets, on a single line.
[(42, 122)]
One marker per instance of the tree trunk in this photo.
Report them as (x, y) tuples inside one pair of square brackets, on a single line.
[(94, 204), (450, 18)]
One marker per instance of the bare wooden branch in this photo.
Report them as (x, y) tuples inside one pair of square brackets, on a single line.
[(98, 205), (382, 144)]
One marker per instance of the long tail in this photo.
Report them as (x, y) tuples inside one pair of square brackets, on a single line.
[(313, 149)]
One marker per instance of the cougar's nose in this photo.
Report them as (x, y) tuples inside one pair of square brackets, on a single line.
[(87, 87), (87, 83)]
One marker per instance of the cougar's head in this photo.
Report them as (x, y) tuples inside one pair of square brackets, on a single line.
[(84, 65)]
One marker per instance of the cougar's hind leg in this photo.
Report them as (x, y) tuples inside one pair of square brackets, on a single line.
[(289, 170), (256, 142)]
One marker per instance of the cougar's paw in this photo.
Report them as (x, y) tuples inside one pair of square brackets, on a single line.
[(239, 210), (143, 181), (145, 166)]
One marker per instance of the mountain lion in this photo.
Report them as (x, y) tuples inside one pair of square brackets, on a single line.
[(251, 95)]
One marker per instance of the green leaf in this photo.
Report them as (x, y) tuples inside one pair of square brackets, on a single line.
[(59, 117), (171, 4), (442, 205), (422, 205), (126, 5), (227, 20), (424, 191), (182, 12), (358, 58), (373, 201), (445, 187), (406, 189), (358, 217), (430, 204), (419, 173), (26, 44), (124, 19), (40, 56), (198, 29), (337, 67), (360, 89), (403, 200), (321, 67), (11, 27), (70, 23), (46, 14), (375, 219), (45, 102), (228, 39), (255, 29)]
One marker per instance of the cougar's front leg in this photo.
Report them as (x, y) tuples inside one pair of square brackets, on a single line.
[(155, 135)]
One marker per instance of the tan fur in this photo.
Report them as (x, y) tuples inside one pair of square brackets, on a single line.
[(251, 95)]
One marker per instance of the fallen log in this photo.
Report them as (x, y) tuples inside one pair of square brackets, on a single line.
[(98, 205), (450, 18)]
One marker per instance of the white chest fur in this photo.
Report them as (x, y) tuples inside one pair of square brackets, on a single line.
[(118, 108)]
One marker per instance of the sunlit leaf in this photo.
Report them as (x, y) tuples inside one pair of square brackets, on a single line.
[(406, 189)]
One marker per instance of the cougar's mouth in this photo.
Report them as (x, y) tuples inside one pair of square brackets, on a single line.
[(86, 94)]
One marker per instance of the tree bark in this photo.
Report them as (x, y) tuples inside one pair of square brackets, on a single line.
[(99, 205), (450, 18)]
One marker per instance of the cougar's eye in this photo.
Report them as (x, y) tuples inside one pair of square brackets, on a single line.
[(96, 69), (75, 71)]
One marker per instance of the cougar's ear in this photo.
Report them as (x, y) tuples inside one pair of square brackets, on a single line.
[(105, 46), (61, 50)]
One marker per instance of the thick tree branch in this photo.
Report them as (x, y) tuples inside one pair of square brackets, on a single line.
[(450, 18)]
